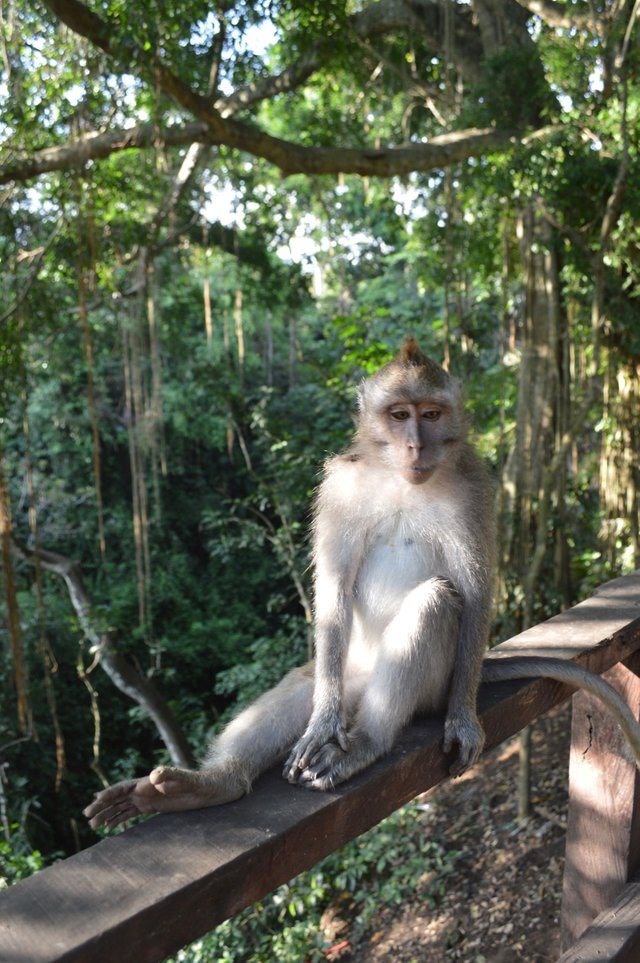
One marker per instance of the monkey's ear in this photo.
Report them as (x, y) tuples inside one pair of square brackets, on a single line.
[(411, 353)]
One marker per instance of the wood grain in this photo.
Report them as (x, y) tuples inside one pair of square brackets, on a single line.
[(603, 827), (614, 935)]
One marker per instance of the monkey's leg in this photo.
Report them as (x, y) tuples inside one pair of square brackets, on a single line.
[(256, 739), (411, 674)]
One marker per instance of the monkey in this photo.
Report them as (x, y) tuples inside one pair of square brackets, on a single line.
[(404, 537)]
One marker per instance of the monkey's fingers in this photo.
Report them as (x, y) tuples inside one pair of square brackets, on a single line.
[(126, 811), (299, 760), (292, 768), (467, 734), (120, 802), (461, 763), (311, 749), (300, 756), (323, 763), (322, 783)]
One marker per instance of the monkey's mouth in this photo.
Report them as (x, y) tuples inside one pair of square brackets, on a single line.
[(416, 474)]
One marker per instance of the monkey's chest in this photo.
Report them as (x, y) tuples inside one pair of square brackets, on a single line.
[(396, 561)]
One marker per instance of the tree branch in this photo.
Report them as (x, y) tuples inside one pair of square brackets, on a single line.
[(441, 151), (95, 146), (422, 17), (33, 274), (122, 673), (290, 158)]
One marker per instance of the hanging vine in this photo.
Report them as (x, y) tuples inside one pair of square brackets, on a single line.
[(206, 289), (137, 436), (86, 284), (154, 419), (47, 657)]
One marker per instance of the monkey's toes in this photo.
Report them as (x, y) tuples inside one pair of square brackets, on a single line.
[(111, 815), (109, 799)]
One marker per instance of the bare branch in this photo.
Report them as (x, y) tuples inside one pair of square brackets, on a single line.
[(122, 673)]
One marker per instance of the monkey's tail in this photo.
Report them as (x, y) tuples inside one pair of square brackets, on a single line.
[(524, 667)]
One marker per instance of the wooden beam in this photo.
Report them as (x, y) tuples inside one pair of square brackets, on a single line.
[(150, 890), (603, 826), (614, 935)]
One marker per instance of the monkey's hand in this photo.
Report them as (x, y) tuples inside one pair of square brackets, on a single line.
[(323, 731), (462, 728)]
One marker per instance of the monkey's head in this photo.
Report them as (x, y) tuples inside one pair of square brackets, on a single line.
[(411, 412)]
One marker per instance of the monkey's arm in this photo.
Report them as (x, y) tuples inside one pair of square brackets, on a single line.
[(470, 557), (336, 557), (327, 723), (462, 726)]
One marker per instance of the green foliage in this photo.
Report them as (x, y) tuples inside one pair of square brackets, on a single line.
[(513, 91), (17, 858), (265, 662)]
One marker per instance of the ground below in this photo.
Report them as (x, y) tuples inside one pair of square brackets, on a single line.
[(502, 904)]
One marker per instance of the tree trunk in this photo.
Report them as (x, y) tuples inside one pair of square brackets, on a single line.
[(538, 401), (532, 484), (619, 473)]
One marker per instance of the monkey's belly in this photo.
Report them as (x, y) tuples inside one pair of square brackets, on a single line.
[(392, 569)]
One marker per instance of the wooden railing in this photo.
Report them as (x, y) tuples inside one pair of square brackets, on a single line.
[(144, 893)]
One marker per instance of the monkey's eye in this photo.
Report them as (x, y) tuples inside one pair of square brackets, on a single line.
[(400, 414), (431, 414)]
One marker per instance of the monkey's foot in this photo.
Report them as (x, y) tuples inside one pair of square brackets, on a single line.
[(165, 790)]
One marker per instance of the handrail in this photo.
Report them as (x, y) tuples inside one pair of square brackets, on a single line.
[(165, 882)]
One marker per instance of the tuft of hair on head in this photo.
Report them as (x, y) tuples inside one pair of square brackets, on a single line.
[(411, 352), (412, 357)]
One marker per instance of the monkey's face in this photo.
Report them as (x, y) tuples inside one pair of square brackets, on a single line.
[(418, 436)]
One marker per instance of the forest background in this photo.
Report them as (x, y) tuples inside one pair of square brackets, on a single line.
[(216, 218)]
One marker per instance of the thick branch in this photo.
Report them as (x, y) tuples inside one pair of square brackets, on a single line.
[(121, 672), (86, 23), (440, 152), (94, 146)]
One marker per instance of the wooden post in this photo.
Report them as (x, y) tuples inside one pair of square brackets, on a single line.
[(603, 831)]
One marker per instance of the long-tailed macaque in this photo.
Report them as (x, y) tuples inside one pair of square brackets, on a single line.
[(404, 563)]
